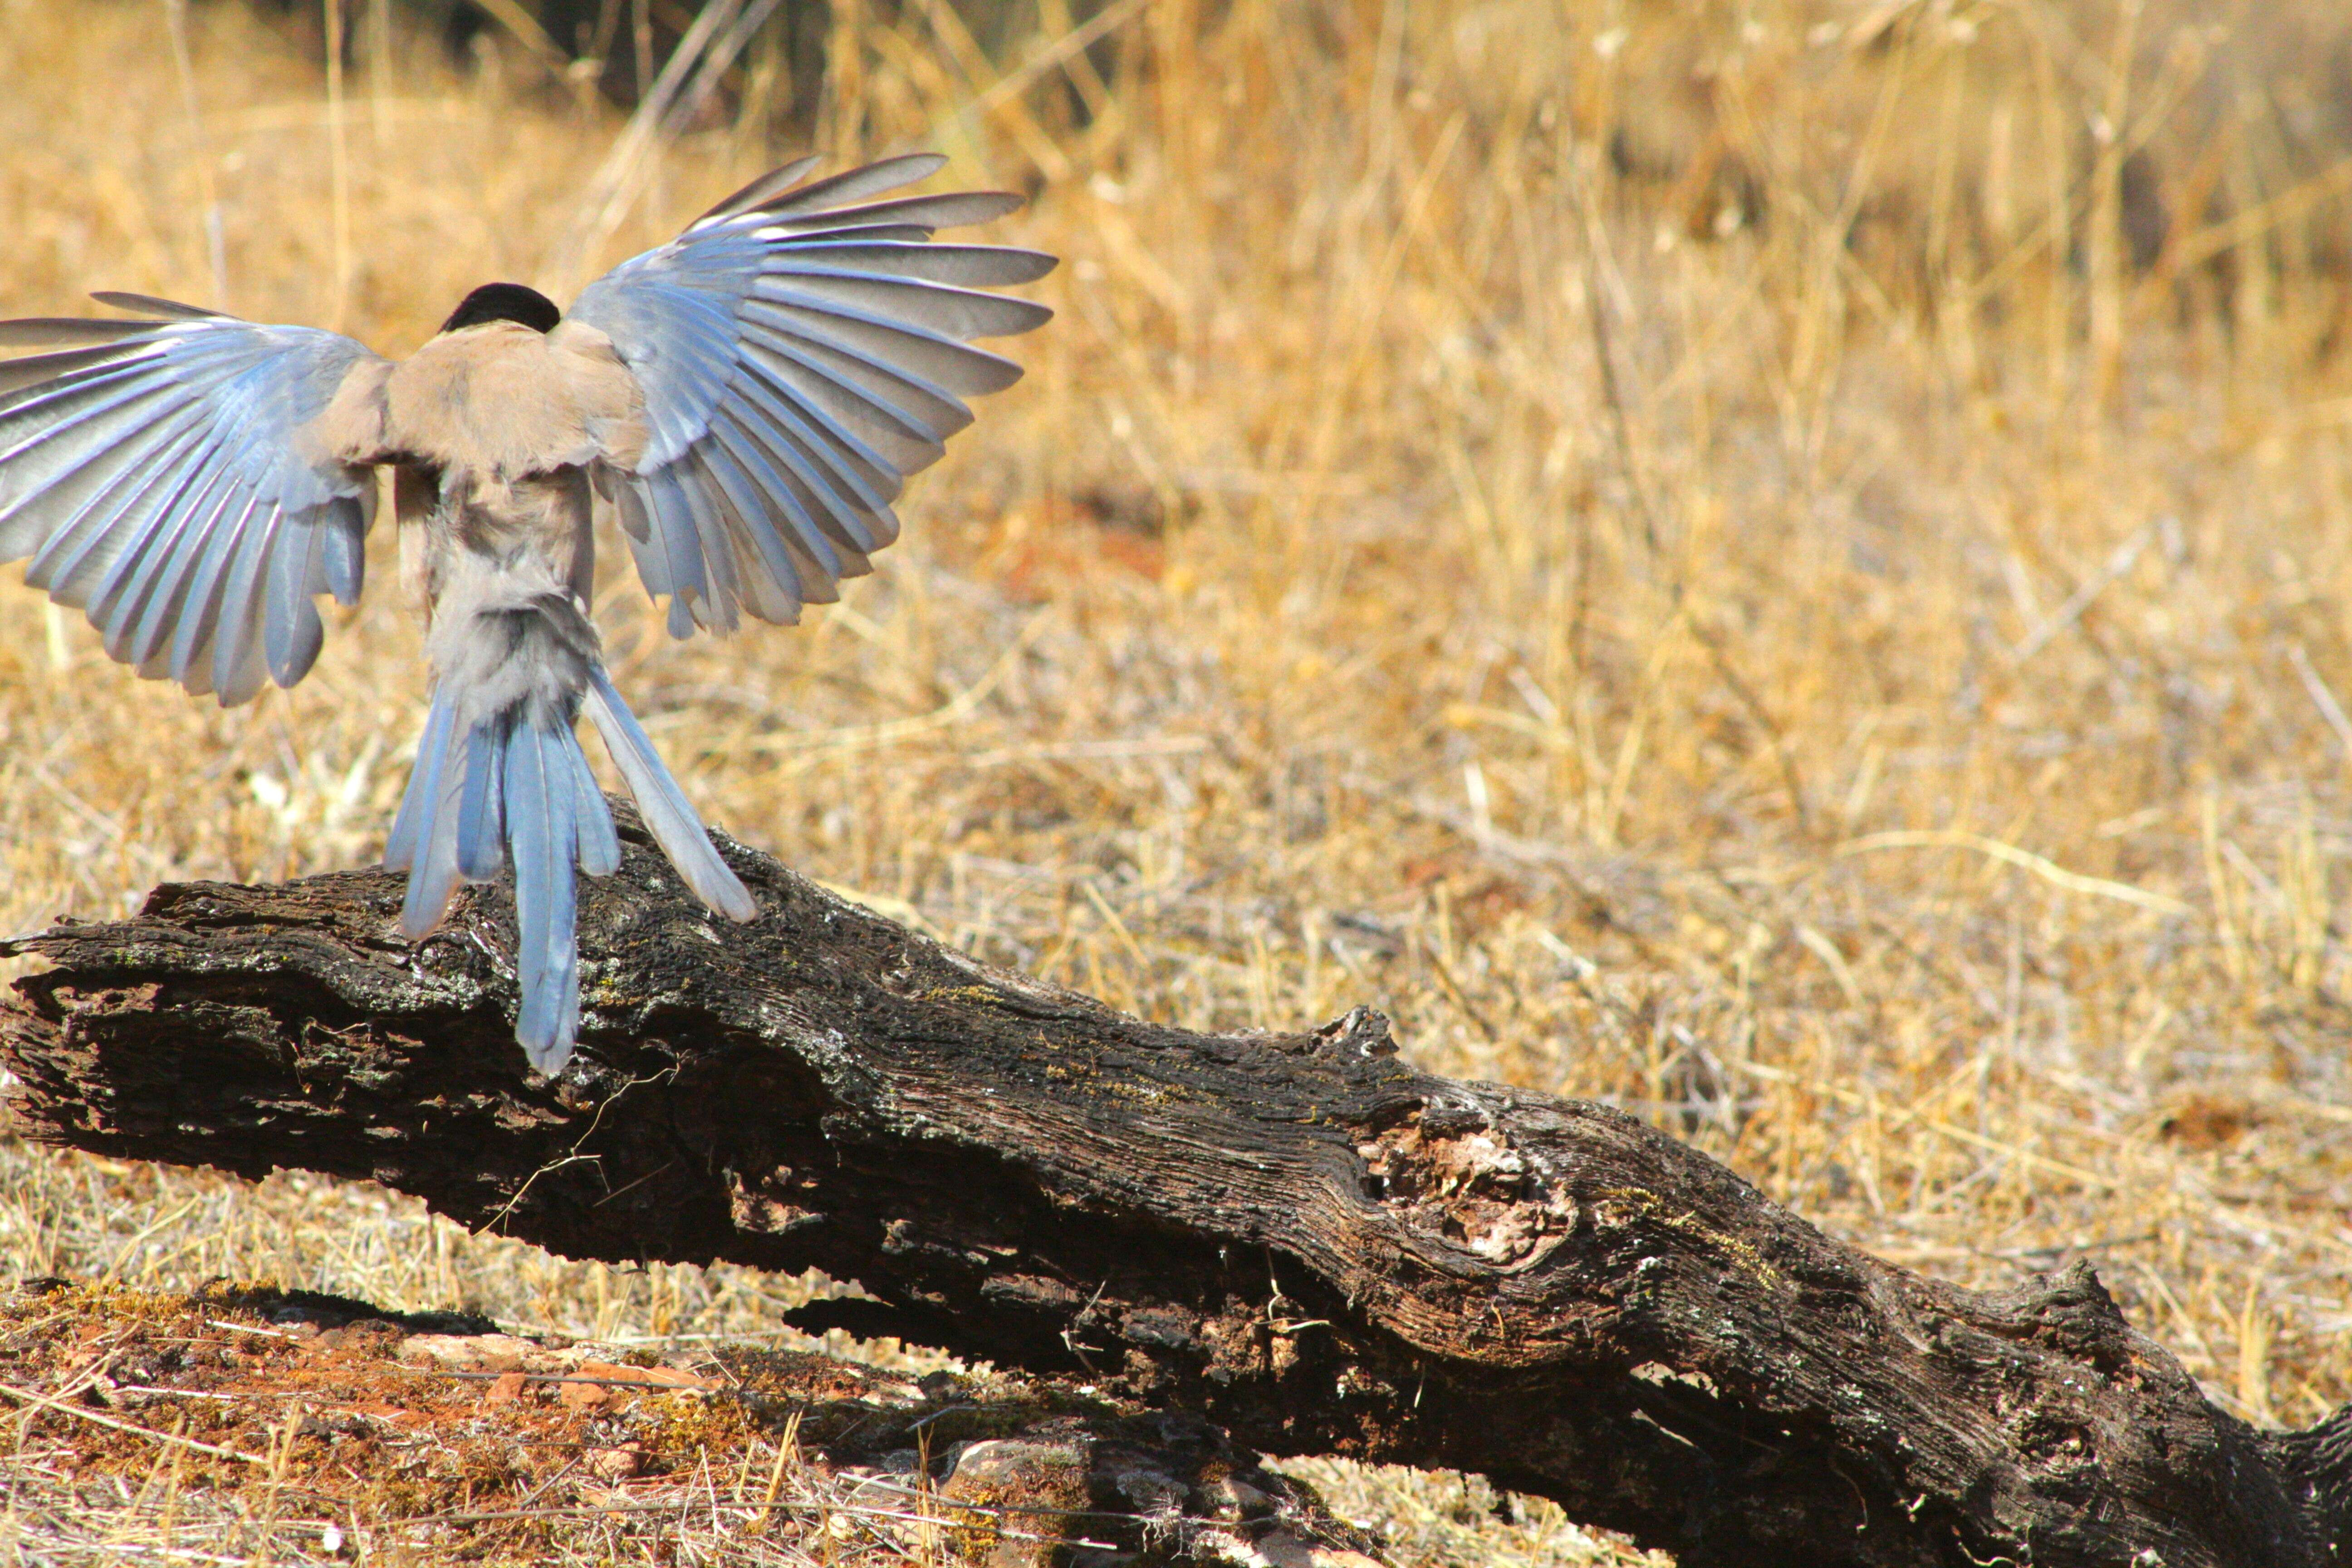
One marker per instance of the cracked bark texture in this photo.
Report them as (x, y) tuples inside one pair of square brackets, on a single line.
[(1298, 1236)]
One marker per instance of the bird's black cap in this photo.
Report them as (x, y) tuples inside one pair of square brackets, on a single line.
[(505, 302)]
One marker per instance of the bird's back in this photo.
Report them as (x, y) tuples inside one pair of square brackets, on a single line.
[(508, 400), (490, 428)]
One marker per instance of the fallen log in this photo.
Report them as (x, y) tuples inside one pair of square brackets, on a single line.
[(1297, 1237)]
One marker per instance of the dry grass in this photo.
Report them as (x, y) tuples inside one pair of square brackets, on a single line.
[(1791, 629), (240, 1424)]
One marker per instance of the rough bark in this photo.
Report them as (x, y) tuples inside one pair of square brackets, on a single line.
[(1296, 1235)]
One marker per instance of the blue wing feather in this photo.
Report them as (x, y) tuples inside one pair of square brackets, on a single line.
[(801, 350), (164, 481), (841, 502), (852, 387), (752, 498), (150, 579), (960, 369), (876, 481), (114, 505)]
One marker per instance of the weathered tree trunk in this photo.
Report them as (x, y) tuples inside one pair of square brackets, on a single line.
[(1294, 1234)]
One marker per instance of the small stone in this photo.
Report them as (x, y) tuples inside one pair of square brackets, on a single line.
[(582, 1395), (616, 1464), (1041, 1485), (505, 1389), (368, 1336)]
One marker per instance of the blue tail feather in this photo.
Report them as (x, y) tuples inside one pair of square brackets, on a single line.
[(541, 800), (512, 787), (481, 809), (425, 835), (416, 803), (516, 786), (668, 815), (600, 846)]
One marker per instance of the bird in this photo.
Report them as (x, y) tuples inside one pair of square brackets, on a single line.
[(747, 400)]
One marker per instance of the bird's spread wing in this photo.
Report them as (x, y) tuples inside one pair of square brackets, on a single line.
[(801, 350), (168, 478)]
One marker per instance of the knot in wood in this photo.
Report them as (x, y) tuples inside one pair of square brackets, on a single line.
[(2070, 1311), (1446, 1170)]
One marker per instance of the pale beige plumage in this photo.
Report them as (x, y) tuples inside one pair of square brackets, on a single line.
[(493, 427)]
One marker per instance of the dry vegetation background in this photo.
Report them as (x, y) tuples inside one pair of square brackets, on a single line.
[(1783, 565)]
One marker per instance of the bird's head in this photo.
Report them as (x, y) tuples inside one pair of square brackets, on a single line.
[(505, 302)]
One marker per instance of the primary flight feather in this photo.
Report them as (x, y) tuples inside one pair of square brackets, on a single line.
[(749, 398)]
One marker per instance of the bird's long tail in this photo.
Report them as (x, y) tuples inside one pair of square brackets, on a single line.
[(511, 783), (668, 815), (501, 777)]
